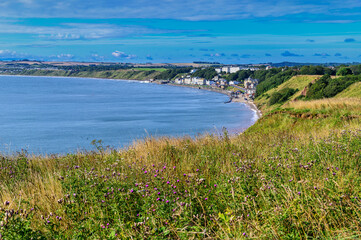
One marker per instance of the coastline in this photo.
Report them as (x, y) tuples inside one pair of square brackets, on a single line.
[(248, 103)]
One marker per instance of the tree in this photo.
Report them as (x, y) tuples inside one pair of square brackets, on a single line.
[(344, 71)]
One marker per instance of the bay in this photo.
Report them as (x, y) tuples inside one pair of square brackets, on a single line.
[(46, 115)]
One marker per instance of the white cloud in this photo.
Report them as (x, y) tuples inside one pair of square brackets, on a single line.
[(65, 56), (80, 31), (119, 54)]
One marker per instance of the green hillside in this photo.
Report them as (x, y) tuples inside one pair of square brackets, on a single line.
[(298, 83), (352, 91)]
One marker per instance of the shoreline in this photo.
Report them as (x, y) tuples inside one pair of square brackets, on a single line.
[(248, 103)]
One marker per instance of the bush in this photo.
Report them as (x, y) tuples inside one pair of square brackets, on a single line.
[(327, 87), (344, 71), (282, 96)]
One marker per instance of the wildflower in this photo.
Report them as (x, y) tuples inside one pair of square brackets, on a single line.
[(168, 182), (6, 203), (215, 185), (197, 170), (155, 175), (167, 201), (299, 193), (146, 185), (145, 172), (131, 190), (206, 199), (74, 194)]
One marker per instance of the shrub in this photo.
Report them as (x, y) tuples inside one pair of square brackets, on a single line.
[(282, 96)]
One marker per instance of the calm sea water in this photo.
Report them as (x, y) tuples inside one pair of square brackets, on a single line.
[(59, 115)]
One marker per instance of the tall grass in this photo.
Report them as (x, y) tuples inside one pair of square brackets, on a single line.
[(279, 179)]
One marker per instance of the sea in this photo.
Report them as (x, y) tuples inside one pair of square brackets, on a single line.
[(59, 115)]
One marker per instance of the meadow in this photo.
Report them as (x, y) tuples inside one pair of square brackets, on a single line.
[(295, 174)]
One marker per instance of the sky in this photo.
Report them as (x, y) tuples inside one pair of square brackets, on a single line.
[(139, 31)]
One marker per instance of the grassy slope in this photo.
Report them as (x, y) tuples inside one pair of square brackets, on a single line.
[(135, 74), (296, 82), (294, 174), (353, 91)]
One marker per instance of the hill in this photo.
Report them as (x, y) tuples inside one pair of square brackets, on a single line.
[(295, 174), (298, 83), (352, 91)]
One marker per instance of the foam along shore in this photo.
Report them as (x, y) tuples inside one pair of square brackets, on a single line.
[(249, 103)]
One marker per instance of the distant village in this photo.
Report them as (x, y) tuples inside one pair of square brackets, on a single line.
[(247, 89)]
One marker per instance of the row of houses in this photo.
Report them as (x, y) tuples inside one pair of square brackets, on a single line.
[(234, 69), (215, 82)]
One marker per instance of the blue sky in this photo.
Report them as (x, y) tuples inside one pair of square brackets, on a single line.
[(226, 31)]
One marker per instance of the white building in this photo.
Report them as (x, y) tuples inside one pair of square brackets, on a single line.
[(216, 78), (226, 69), (233, 82), (179, 80), (198, 81), (210, 82), (218, 70), (234, 69), (187, 80)]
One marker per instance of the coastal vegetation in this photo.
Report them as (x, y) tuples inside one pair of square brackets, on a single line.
[(293, 174)]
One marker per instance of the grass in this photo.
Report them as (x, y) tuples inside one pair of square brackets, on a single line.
[(133, 74), (297, 82), (150, 69), (353, 91), (286, 177)]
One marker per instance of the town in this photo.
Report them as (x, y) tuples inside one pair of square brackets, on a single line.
[(236, 89)]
